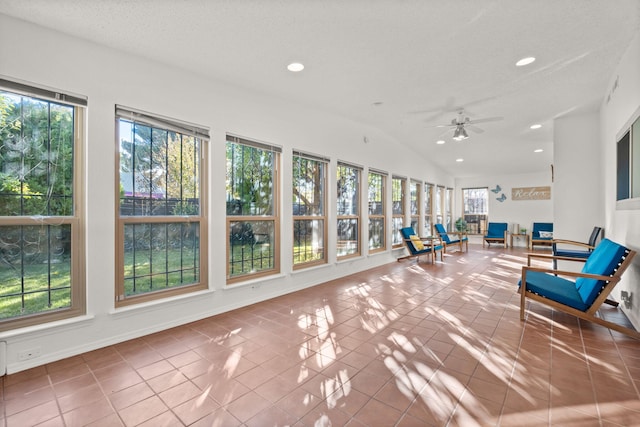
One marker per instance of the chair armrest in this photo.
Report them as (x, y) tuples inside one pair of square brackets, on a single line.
[(552, 257), (425, 239), (572, 242), (571, 273)]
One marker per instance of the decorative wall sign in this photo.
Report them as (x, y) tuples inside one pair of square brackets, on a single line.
[(531, 193)]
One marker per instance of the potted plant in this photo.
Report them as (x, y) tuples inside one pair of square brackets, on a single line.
[(523, 231), (461, 224)]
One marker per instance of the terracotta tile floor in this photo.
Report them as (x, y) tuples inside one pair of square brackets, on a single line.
[(405, 344)]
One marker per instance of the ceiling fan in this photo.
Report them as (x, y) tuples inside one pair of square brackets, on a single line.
[(462, 122)]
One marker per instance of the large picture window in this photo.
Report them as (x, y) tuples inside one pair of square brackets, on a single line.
[(476, 209), (428, 209), (377, 218), (41, 249), (397, 202), (628, 165), (448, 208), (309, 210), (161, 226), (348, 210), (415, 193), (252, 216), (439, 204)]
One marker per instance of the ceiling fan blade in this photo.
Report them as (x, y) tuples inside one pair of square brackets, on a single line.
[(487, 119), (444, 133), (443, 126), (476, 129)]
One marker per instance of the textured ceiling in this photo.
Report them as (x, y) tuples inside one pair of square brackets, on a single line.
[(422, 59)]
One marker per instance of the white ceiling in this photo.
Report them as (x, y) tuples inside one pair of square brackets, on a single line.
[(422, 59)]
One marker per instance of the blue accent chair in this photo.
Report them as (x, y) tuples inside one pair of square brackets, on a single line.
[(446, 240), (541, 234), (420, 245), (583, 296), (576, 249), (496, 233)]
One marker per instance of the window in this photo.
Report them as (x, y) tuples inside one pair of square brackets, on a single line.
[(428, 209), (448, 208), (41, 248), (476, 203), (348, 204), (252, 216), (415, 189), (628, 164), (397, 209), (439, 204), (376, 212), (624, 167), (309, 209), (161, 209)]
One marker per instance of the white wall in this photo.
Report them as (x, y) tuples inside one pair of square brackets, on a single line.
[(622, 225), (578, 193), (522, 212), (107, 77)]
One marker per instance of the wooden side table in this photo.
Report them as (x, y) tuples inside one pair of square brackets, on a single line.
[(518, 235)]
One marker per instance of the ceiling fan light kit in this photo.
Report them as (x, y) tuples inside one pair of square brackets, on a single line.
[(460, 133), (461, 122)]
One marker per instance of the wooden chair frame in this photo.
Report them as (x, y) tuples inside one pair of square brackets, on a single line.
[(590, 313), (495, 239), (462, 237), (434, 245)]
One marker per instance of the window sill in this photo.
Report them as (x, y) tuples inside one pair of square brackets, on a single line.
[(253, 282), (628, 204), (310, 268), (150, 304), (46, 327), (348, 259)]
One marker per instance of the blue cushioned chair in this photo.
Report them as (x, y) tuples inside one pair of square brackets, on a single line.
[(446, 240), (420, 245), (541, 234), (579, 250), (583, 296), (496, 233)]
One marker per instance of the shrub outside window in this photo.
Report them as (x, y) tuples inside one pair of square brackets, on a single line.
[(415, 189), (161, 209), (41, 245), (309, 209), (252, 217), (428, 209), (348, 210), (377, 217), (397, 209)]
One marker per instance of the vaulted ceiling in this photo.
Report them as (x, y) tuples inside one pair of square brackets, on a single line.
[(403, 66)]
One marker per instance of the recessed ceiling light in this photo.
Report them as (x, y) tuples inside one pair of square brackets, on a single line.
[(377, 103), (539, 150), (295, 67), (525, 61), (440, 141), (459, 160), (536, 126)]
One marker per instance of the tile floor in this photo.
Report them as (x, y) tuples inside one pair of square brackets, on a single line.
[(405, 344)]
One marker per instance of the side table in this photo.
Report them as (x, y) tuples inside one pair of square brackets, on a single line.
[(518, 235)]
